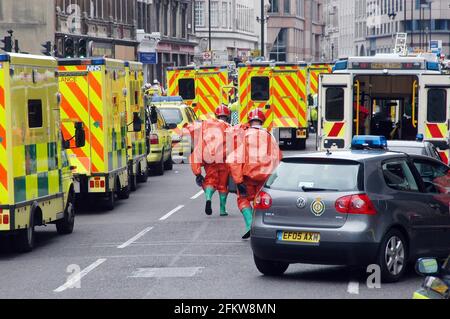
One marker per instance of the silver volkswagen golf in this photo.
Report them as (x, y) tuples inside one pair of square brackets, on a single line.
[(356, 207)]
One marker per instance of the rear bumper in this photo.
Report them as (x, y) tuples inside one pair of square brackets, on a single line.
[(325, 253)]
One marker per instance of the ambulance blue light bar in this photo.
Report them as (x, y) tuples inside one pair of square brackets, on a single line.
[(360, 142), (433, 66), (340, 65), (97, 61), (419, 137), (4, 58)]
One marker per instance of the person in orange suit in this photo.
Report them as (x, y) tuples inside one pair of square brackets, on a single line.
[(253, 160), (210, 153)]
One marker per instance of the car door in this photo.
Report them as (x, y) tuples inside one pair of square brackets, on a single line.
[(409, 205), (162, 134), (436, 181)]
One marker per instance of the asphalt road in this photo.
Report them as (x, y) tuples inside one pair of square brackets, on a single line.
[(160, 244)]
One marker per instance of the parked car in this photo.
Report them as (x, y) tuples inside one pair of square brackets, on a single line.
[(176, 112), (160, 140), (414, 147), (355, 207)]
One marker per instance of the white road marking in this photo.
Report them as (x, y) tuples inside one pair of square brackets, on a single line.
[(353, 288), (173, 211), (166, 272), (73, 280), (132, 240), (197, 195)]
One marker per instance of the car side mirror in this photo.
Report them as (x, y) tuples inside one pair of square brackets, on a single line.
[(80, 135), (427, 266), (137, 122), (172, 126)]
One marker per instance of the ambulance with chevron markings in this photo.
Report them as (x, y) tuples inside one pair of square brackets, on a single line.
[(280, 90), (36, 185), (399, 97), (93, 91), (136, 138)]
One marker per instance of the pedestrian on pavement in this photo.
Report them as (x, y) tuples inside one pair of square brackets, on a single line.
[(253, 160), (210, 153)]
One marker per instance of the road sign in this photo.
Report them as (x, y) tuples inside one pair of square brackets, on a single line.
[(207, 55), (148, 57)]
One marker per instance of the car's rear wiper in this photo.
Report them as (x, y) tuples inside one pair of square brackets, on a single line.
[(317, 189)]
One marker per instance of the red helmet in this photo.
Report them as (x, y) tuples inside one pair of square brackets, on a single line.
[(222, 110), (256, 114)]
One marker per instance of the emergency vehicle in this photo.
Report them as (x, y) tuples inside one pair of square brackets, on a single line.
[(36, 185), (93, 91), (280, 90), (395, 96), (201, 87), (314, 70), (136, 138)]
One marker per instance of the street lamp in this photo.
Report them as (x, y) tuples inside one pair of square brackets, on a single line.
[(263, 19)]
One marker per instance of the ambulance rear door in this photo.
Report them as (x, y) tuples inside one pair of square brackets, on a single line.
[(208, 91), (258, 93), (335, 111), (181, 82), (433, 117)]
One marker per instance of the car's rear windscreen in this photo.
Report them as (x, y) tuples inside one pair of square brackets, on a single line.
[(408, 150), (172, 116), (317, 175)]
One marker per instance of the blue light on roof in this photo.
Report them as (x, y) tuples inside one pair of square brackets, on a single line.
[(433, 66), (127, 64), (4, 57), (419, 137), (98, 61), (159, 99), (340, 65), (369, 141)]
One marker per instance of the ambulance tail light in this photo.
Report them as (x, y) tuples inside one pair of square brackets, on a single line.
[(263, 201), (102, 184), (92, 184), (5, 219), (154, 139), (355, 204)]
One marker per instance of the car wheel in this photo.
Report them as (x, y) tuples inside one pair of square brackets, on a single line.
[(123, 193), (392, 256), (270, 268), (159, 168), (65, 225), (168, 165), (301, 144), (110, 200), (25, 237)]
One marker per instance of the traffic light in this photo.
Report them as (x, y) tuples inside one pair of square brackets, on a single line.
[(7, 44), (47, 48), (69, 48), (82, 48)]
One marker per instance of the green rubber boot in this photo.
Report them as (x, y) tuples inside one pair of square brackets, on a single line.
[(248, 215), (223, 204), (209, 192)]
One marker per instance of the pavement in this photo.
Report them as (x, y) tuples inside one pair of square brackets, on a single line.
[(160, 244)]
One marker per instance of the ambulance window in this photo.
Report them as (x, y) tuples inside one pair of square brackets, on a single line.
[(436, 106), (334, 108), (34, 113), (186, 89), (260, 88)]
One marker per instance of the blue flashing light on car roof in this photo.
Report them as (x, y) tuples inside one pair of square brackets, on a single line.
[(158, 99), (4, 58), (369, 142), (340, 65), (419, 137)]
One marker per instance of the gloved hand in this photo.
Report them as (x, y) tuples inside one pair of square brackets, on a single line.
[(242, 189), (199, 179)]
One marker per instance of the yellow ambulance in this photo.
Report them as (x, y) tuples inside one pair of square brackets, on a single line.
[(279, 89), (36, 186), (136, 138), (93, 91)]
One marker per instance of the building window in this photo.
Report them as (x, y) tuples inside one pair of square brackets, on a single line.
[(224, 15), (287, 6), (274, 4), (174, 17), (278, 52), (299, 9), (199, 13), (166, 20), (183, 23), (214, 14)]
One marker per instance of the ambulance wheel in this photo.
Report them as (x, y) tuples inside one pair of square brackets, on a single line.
[(124, 192), (168, 165), (65, 225), (143, 176), (301, 144), (25, 237), (110, 200), (133, 182)]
